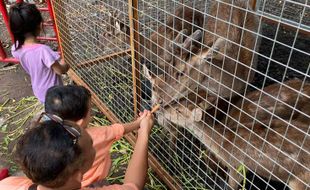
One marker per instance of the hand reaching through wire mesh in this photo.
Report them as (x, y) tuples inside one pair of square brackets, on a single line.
[(146, 123)]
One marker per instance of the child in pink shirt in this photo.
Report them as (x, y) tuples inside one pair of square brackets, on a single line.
[(42, 64)]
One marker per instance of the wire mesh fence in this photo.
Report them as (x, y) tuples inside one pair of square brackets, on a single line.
[(234, 90)]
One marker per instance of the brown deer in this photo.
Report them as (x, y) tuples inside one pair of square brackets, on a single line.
[(273, 149), (225, 66), (289, 100)]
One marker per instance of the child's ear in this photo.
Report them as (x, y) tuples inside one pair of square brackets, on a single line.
[(80, 122)]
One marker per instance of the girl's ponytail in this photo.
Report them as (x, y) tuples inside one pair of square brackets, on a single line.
[(25, 19), (16, 26)]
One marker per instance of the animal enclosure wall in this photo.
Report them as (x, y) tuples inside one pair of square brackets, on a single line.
[(231, 76)]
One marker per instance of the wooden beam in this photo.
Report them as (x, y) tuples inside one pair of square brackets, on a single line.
[(135, 59), (253, 4), (104, 58), (285, 26)]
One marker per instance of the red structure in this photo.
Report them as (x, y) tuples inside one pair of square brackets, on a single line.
[(3, 56)]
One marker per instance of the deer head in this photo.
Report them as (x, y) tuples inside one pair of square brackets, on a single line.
[(169, 83), (188, 74)]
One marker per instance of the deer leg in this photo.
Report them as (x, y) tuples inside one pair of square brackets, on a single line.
[(173, 136), (234, 179)]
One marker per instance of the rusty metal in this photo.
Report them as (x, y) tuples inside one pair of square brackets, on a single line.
[(134, 44), (42, 38), (253, 4)]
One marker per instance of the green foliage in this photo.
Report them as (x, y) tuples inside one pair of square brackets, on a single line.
[(121, 152), (242, 170), (14, 118)]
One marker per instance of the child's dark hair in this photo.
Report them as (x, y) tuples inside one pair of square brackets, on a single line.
[(25, 18), (69, 102), (48, 155)]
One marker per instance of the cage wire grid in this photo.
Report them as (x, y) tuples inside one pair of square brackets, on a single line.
[(216, 134)]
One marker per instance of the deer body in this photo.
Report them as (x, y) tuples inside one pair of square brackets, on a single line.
[(271, 148), (287, 101), (262, 145)]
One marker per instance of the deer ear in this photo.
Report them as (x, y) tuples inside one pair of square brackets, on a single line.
[(197, 114), (176, 44), (214, 51), (117, 25), (194, 37), (148, 74)]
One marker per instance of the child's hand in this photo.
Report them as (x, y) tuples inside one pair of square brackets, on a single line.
[(146, 123), (135, 124), (141, 116)]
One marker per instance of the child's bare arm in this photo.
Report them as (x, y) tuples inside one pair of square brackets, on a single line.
[(131, 126), (60, 67), (135, 124), (137, 167)]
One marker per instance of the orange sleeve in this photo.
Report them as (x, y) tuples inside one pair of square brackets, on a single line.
[(127, 186), (108, 133), (103, 138), (15, 183)]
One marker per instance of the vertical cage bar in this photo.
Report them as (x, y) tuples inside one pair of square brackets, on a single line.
[(253, 4), (5, 16), (134, 44), (2, 52), (183, 158), (65, 28), (51, 13)]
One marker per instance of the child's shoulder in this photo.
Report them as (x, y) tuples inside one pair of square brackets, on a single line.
[(36, 46)]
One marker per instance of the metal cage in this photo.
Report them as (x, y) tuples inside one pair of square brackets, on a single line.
[(231, 76)]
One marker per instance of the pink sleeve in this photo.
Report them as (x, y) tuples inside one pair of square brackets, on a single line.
[(127, 186), (49, 56)]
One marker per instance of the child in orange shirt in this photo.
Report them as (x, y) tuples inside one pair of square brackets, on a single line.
[(56, 153), (73, 103)]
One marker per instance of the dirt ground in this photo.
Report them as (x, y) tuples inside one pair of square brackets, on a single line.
[(14, 83), (14, 86)]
